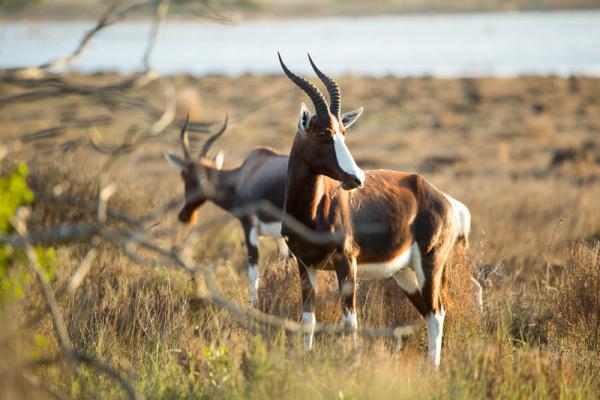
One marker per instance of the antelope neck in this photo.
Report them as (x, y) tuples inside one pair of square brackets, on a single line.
[(224, 182), (307, 194)]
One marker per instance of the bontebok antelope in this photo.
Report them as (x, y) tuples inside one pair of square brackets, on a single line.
[(395, 224), (261, 177)]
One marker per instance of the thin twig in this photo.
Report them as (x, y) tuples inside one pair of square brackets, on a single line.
[(20, 225)]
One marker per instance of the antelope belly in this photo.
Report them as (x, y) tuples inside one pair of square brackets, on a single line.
[(271, 229), (386, 269)]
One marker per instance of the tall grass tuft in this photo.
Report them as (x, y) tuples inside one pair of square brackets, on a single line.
[(575, 304)]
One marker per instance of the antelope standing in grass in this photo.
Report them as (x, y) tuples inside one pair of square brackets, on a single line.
[(260, 177), (395, 224)]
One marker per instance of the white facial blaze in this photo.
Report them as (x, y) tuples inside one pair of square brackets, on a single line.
[(309, 321), (345, 159), (435, 329)]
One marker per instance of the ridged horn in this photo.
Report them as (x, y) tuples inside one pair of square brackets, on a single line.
[(335, 97), (185, 141), (311, 90), (213, 138)]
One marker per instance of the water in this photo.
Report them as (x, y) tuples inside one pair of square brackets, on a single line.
[(481, 44)]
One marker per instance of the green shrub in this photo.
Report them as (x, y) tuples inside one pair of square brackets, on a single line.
[(15, 193)]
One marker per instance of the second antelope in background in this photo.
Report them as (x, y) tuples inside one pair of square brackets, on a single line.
[(395, 224), (261, 177)]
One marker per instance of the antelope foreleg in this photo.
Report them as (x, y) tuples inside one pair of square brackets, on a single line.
[(345, 268)]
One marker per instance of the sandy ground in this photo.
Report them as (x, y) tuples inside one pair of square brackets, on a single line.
[(465, 127)]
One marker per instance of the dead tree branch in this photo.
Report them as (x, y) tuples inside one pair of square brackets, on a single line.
[(20, 225), (131, 241)]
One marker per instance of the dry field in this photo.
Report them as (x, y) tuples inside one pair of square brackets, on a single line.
[(523, 154)]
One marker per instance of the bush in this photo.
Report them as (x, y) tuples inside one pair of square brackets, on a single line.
[(14, 193), (576, 302)]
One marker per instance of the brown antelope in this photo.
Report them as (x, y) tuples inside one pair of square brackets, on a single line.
[(395, 224), (260, 177)]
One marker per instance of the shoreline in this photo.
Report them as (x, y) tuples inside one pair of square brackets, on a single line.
[(116, 75), (413, 46), (239, 16)]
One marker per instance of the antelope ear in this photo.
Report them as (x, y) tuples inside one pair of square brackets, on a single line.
[(174, 160), (303, 119), (218, 159), (350, 117)]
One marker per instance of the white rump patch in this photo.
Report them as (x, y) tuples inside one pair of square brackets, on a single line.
[(345, 159), (461, 216), (435, 330), (309, 321), (407, 259)]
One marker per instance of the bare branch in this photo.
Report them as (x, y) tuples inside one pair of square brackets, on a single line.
[(19, 223), (83, 269), (162, 9), (131, 241), (113, 15), (15, 144)]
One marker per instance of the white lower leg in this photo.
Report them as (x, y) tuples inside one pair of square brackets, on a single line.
[(253, 279), (435, 329), (350, 324), (308, 322)]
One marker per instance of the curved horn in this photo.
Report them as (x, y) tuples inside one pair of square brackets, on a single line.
[(335, 97), (213, 138), (185, 141), (311, 90)]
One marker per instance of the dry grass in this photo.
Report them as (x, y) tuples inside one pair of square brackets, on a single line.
[(490, 143), (575, 305)]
